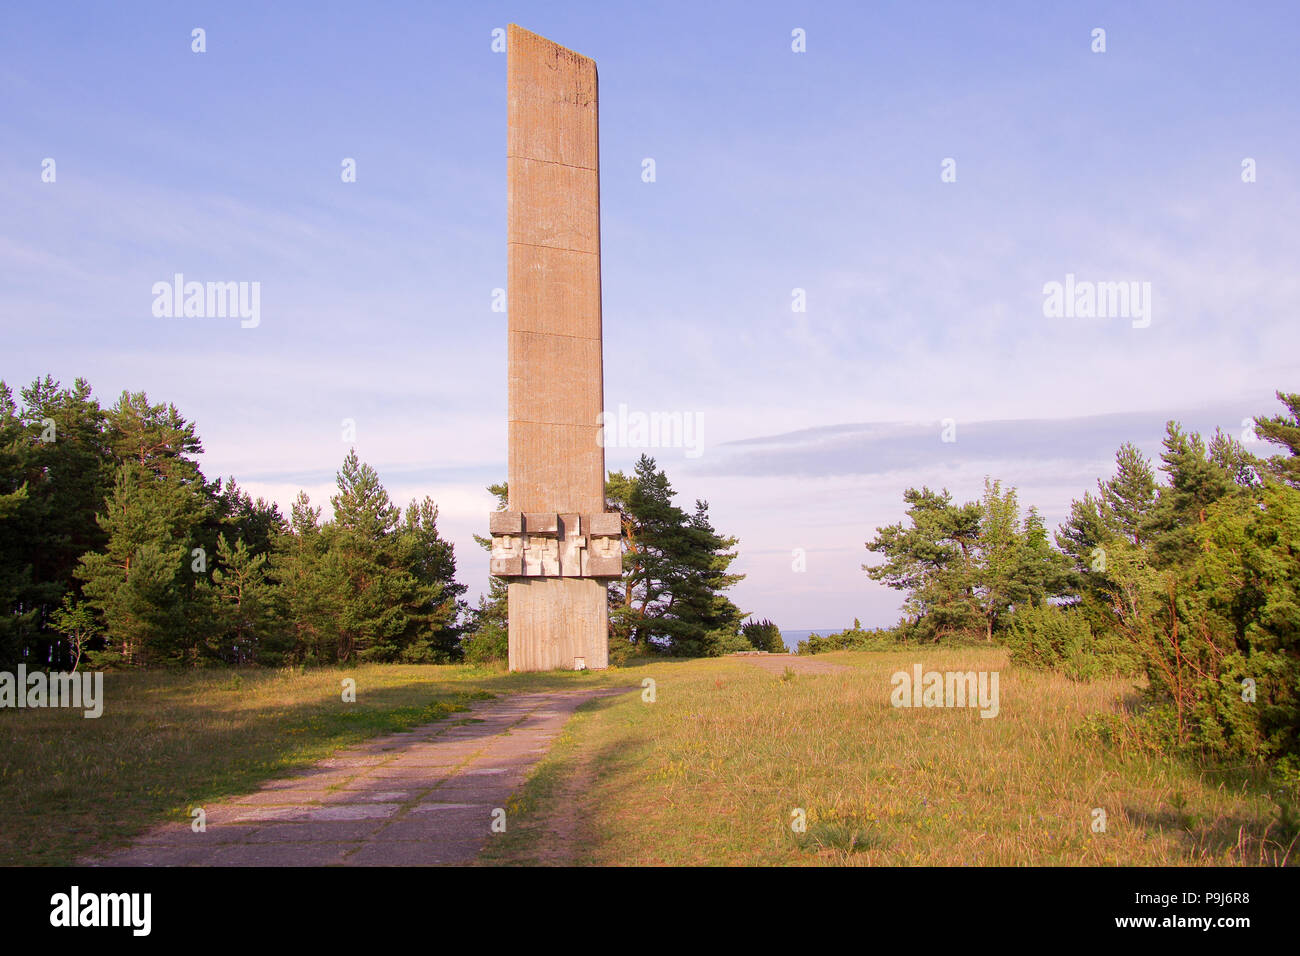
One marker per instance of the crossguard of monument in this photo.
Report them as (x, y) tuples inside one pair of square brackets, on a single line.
[(527, 545)]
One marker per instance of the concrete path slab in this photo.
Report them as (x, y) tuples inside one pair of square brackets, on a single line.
[(421, 797)]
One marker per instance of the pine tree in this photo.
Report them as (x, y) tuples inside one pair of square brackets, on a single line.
[(966, 568), (488, 636), (363, 553), (310, 596), (362, 506), (135, 582), (72, 469), (257, 523), (932, 563), (155, 437), (1284, 431), (1131, 494), (623, 613), (650, 522), (1045, 571), (52, 467), (1109, 528), (1088, 528), (1122, 509), (434, 604), (246, 606), (18, 614), (676, 569), (700, 617), (149, 582), (1196, 479)]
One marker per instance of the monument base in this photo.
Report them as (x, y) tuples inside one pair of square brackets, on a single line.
[(554, 622)]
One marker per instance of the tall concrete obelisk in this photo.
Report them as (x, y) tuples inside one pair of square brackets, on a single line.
[(554, 543)]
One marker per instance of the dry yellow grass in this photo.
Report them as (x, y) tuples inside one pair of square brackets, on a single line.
[(712, 771)]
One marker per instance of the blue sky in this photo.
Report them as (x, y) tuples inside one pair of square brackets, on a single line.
[(775, 170)]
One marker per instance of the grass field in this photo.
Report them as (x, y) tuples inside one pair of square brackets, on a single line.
[(169, 741), (709, 773), (712, 771)]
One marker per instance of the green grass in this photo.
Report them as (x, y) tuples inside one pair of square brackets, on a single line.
[(169, 741), (712, 772)]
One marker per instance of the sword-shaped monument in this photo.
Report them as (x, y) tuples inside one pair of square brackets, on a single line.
[(555, 543)]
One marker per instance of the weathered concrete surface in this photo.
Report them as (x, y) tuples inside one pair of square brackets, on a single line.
[(556, 377), (777, 663), (417, 798)]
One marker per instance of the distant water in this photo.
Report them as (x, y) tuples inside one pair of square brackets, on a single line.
[(792, 638)]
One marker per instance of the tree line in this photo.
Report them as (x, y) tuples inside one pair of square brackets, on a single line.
[(115, 550), (1190, 576)]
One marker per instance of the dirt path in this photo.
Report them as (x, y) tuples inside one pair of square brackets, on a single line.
[(425, 796), (777, 663)]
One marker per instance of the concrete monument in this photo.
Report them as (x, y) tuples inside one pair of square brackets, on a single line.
[(555, 543)]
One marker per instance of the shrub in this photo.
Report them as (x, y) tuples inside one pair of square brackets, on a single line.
[(728, 642), (1285, 780), (1219, 635), (491, 642), (1050, 637), (854, 638), (764, 636)]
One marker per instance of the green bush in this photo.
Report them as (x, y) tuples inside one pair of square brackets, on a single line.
[(728, 642), (1050, 637), (491, 642), (1285, 781), (854, 638), (764, 636)]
